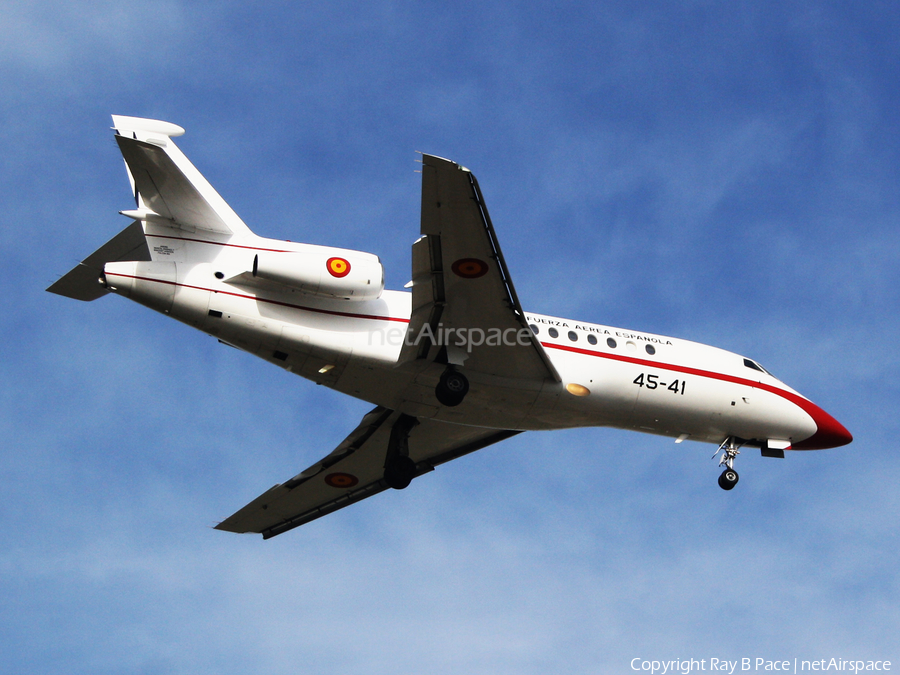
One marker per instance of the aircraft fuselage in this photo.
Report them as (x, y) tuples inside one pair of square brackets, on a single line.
[(610, 376)]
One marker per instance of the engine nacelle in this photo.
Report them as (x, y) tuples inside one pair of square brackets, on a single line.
[(333, 273)]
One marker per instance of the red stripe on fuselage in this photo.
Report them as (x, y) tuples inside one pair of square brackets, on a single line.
[(829, 432), (371, 317)]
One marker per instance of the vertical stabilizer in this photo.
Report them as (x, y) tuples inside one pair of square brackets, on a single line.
[(168, 189)]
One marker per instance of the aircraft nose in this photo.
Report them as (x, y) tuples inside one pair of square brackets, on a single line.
[(829, 432)]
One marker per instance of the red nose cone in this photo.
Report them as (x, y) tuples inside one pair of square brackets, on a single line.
[(829, 433)]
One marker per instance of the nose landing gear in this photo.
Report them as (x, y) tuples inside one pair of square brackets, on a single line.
[(729, 449)]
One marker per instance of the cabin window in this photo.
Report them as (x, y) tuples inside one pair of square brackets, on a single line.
[(553, 332), (534, 329), (573, 336), (592, 339), (650, 349), (611, 343)]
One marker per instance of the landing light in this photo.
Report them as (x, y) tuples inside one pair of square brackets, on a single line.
[(325, 369)]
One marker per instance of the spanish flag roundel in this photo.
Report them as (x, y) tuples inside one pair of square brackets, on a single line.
[(469, 268), (341, 480), (338, 267)]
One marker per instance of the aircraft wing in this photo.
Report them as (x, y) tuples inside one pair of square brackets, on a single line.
[(355, 471), (460, 282)]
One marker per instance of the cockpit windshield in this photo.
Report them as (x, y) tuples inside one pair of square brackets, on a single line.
[(755, 366)]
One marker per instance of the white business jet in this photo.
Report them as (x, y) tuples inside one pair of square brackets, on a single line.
[(453, 365)]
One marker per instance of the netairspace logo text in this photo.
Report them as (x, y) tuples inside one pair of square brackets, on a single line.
[(685, 666)]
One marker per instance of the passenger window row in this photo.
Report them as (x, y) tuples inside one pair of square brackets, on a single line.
[(591, 338)]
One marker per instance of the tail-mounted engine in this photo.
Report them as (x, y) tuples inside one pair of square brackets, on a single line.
[(333, 273)]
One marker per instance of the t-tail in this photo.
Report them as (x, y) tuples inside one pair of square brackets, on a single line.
[(187, 254)]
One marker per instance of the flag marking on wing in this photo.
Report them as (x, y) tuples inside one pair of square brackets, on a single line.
[(469, 268), (341, 480)]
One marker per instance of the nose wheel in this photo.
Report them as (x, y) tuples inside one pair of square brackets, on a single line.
[(728, 479), (729, 449)]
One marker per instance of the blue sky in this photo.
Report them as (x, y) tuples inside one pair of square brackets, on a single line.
[(721, 172)]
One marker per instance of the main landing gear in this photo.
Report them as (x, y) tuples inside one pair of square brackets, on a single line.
[(729, 449), (399, 468), (452, 388)]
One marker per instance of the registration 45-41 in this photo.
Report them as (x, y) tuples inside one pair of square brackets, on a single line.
[(652, 381)]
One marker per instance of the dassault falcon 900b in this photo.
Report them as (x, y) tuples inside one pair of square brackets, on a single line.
[(452, 366)]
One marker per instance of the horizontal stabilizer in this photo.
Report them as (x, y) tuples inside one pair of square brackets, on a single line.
[(82, 281)]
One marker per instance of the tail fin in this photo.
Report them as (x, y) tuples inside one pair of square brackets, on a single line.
[(168, 189), (83, 281)]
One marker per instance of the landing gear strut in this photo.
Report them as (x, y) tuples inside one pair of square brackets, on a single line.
[(729, 449), (452, 388), (399, 469)]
